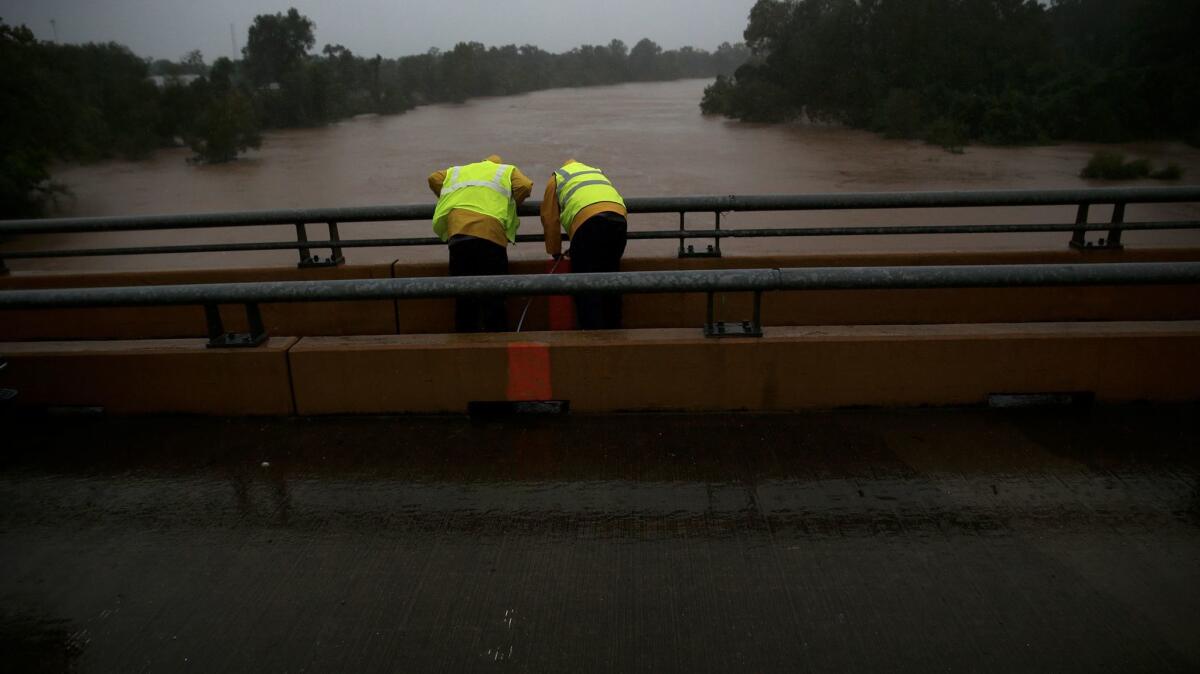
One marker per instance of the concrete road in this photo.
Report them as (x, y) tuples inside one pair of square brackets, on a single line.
[(871, 541)]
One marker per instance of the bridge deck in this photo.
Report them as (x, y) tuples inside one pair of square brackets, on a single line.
[(922, 540)]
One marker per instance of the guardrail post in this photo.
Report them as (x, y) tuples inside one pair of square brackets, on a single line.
[(258, 333), (335, 253), (682, 214), (212, 318), (1079, 238), (717, 238), (219, 339), (690, 250), (302, 237), (307, 259), (1114, 232), (750, 328)]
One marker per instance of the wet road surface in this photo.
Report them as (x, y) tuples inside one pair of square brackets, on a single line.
[(860, 540)]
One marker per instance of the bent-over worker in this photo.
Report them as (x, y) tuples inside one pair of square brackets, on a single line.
[(583, 201), (477, 216)]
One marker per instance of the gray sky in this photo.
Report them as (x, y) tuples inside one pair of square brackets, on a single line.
[(170, 28)]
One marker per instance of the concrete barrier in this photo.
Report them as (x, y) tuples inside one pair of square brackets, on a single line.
[(398, 373), (145, 376), (789, 368)]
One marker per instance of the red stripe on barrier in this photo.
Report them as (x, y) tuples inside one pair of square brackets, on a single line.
[(560, 309), (529, 371)]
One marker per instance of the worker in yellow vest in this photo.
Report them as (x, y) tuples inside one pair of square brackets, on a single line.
[(583, 202), (477, 216)]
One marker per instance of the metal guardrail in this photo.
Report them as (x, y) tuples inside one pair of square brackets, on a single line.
[(1083, 199), (756, 281)]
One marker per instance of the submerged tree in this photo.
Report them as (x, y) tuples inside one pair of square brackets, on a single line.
[(227, 127)]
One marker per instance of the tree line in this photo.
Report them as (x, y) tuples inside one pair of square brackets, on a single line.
[(955, 71), (96, 101)]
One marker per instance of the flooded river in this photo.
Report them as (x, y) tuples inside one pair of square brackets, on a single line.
[(650, 137)]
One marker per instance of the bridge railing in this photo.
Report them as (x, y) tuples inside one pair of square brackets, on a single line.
[(1082, 199), (757, 281)]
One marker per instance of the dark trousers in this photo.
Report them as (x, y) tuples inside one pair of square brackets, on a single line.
[(471, 256), (597, 246)]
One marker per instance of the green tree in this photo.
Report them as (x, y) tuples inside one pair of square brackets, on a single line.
[(277, 44), (729, 57), (1002, 71), (193, 63), (35, 129), (221, 75), (643, 59), (717, 97), (226, 128)]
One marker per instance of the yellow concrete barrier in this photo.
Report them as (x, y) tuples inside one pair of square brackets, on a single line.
[(144, 376), (789, 368), (398, 373)]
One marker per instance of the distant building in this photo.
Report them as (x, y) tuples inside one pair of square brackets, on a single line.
[(162, 81)]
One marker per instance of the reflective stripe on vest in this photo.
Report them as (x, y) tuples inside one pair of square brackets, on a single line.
[(496, 184), (569, 204), (564, 176), (491, 196)]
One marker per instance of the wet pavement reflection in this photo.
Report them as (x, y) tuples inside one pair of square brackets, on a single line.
[(857, 540)]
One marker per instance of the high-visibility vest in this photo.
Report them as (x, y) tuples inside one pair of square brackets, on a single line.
[(483, 187), (580, 186)]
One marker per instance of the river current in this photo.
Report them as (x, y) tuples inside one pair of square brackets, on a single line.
[(649, 137)]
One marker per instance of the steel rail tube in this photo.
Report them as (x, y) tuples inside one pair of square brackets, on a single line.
[(674, 234), (890, 230), (278, 217), (219, 248), (989, 276), (733, 280), (902, 200), (761, 202)]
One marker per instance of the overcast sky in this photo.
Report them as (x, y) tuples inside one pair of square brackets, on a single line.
[(170, 28)]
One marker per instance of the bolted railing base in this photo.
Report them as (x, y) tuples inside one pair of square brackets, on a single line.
[(219, 339), (1102, 244), (317, 261), (688, 251), (1112, 242), (231, 340), (308, 260), (750, 328)]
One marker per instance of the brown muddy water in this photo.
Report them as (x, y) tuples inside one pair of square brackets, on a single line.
[(650, 137)]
